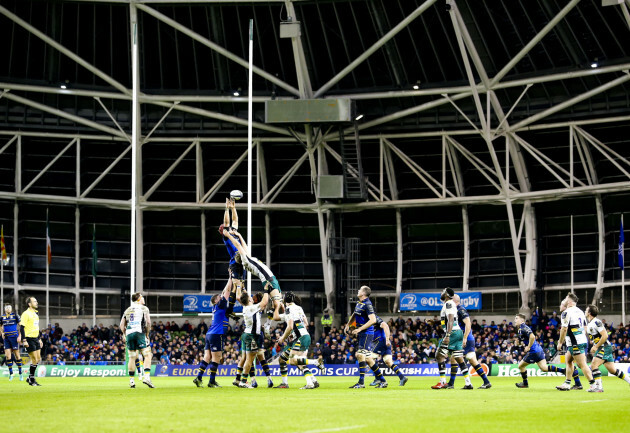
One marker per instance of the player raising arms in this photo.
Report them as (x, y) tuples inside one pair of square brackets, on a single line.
[(257, 268), (10, 328), (365, 319), (452, 343), (573, 322), (260, 356), (469, 347), (135, 324), (383, 347), (296, 322), (602, 349), (534, 353), (253, 328), (213, 349), (236, 269)]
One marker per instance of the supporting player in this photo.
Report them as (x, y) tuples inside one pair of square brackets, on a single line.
[(383, 347), (573, 333), (257, 268), (236, 269), (469, 347), (365, 319), (29, 327), (297, 322), (135, 322), (602, 349), (213, 350), (10, 331), (534, 353), (252, 314), (452, 343)]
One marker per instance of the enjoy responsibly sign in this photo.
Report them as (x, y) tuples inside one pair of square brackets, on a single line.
[(432, 302)]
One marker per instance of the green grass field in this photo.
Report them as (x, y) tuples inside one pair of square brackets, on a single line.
[(108, 404)]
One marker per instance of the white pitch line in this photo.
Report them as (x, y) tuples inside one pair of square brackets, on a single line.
[(350, 427), (591, 401)]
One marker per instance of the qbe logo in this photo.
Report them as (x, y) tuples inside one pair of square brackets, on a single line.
[(190, 303)]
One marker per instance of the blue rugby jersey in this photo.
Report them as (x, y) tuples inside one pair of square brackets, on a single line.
[(10, 324), (219, 320), (524, 332), (362, 312)]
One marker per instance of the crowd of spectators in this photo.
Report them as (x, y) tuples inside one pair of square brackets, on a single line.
[(414, 341)]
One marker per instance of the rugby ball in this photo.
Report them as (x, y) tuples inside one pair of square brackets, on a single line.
[(236, 194)]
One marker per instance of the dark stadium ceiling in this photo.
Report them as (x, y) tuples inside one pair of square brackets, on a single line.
[(424, 53)]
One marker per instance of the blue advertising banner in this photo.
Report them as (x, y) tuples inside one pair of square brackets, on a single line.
[(339, 370), (203, 304), (431, 301)]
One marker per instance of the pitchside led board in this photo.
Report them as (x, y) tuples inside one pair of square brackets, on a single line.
[(432, 302), (203, 304)]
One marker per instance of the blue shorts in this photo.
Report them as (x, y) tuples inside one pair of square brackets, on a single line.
[(214, 342), (470, 346), (382, 348), (365, 343), (11, 343), (261, 341), (534, 357), (238, 273)]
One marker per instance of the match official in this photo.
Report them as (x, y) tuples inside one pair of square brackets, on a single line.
[(31, 338)]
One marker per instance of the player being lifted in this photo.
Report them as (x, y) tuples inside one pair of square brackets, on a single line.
[(533, 351), (573, 322), (383, 347), (257, 268), (10, 329), (296, 353), (365, 319), (213, 350), (469, 347), (236, 269), (602, 349), (452, 343), (135, 322)]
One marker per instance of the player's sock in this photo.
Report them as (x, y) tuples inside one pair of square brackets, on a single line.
[(576, 377), (10, 366), (396, 370), (453, 374), (213, 371), (19, 365), (239, 373), (132, 374), (621, 375), (442, 370), (464, 371), (252, 371), (308, 376), (481, 373), (554, 369), (138, 366), (524, 376), (377, 372), (362, 368), (265, 367), (597, 376), (284, 371), (31, 373), (202, 369), (147, 373)]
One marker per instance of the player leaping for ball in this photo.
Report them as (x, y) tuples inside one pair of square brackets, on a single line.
[(452, 343), (257, 268), (602, 349), (469, 347), (533, 352), (230, 221)]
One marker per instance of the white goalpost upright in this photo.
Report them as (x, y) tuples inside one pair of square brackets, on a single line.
[(249, 147)]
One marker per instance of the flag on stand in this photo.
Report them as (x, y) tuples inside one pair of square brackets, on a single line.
[(48, 246), (621, 241), (3, 248), (94, 255)]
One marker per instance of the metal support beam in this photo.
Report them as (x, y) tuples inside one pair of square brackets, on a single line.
[(219, 183), (77, 257), (382, 41), (105, 172), (219, 49), (50, 164), (168, 171), (279, 186), (203, 252)]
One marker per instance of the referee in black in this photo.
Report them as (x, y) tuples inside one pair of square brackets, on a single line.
[(31, 338)]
